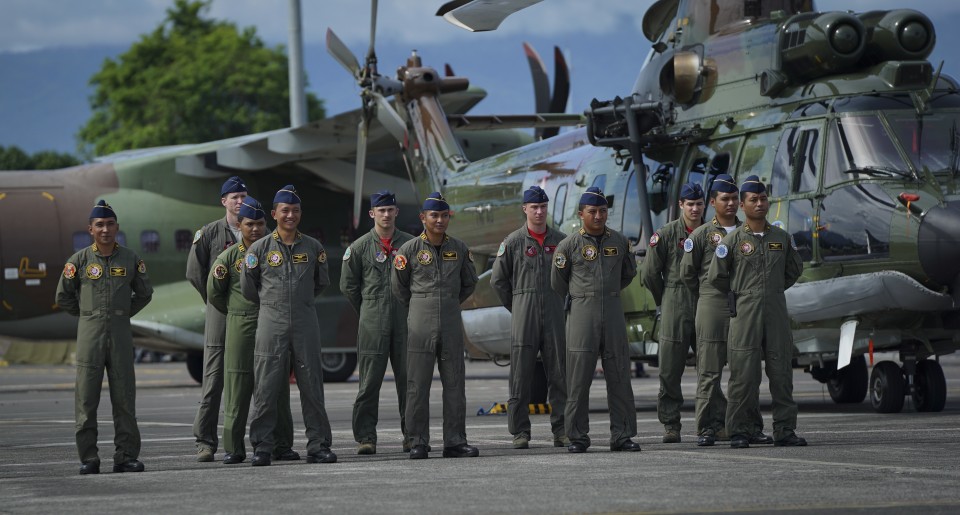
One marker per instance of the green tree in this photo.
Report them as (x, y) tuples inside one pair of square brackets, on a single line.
[(191, 80), (14, 158)]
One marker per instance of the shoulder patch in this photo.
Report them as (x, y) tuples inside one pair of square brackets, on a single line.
[(502, 249), (688, 245), (346, 254), (400, 262), (721, 251), (197, 235), (141, 267), (778, 224), (251, 261), (238, 265), (220, 272), (322, 256), (69, 270), (654, 239), (470, 255), (560, 261)]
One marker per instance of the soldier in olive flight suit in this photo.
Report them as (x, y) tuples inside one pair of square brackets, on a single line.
[(208, 243), (521, 278), (713, 317), (105, 284), (284, 273), (223, 293), (432, 275), (590, 268), (757, 263), (382, 334), (676, 303)]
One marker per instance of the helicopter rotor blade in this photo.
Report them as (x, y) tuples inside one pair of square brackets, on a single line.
[(342, 54), (389, 118), (561, 89), (371, 54), (541, 86), (361, 166)]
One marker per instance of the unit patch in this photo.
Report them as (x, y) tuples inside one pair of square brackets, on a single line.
[(380, 257), (300, 258), (346, 255), (774, 246), (531, 251), (747, 248), (715, 237), (197, 235), (470, 255), (424, 257), (252, 261), (589, 252), (654, 239), (238, 265), (220, 272), (321, 257), (549, 249), (118, 271), (449, 255), (94, 271), (611, 251), (502, 249), (69, 270), (560, 261), (400, 262), (721, 251), (274, 258), (688, 245), (141, 267), (778, 224)]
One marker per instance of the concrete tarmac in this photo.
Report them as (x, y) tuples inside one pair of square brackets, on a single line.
[(858, 461)]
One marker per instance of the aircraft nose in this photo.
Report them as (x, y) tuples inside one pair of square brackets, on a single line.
[(938, 244)]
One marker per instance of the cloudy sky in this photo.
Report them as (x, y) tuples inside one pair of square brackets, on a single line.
[(602, 39)]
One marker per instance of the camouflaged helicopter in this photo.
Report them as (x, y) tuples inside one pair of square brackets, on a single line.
[(853, 131)]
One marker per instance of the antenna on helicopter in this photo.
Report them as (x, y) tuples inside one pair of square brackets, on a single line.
[(374, 88)]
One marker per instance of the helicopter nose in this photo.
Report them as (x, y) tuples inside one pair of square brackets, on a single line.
[(938, 244)]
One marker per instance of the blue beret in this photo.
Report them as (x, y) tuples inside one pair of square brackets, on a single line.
[(251, 208), (691, 191), (435, 202), (593, 197), (233, 185), (382, 198), (287, 195), (102, 210), (752, 184), (724, 184), (535, 195)]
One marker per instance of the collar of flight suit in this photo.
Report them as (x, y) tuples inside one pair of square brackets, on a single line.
[(423, 236), (96, 251), (606, 232), (736, 221), (276, 236)]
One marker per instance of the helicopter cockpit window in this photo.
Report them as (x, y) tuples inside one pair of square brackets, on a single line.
[(933, 143), (796, 167), (724, 14), (559, 203), (600, 181), (859, 147), (855, 223)]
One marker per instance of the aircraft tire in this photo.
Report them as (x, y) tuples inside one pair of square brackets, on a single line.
[(930, 387), (539, 385), (887, 387), (338, 366), (195, 366), (849, 384)]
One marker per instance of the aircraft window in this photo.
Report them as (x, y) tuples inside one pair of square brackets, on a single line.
[(721, 14), (600, 181), (801, 227), (812, 109), (934, 144), (81, 239), (759, 155), (860, 147), (150, 241), (872, 103), (949, 99), (698, 170), (658, 187), (807, 161), (182, 239), (122, 238), (559, 203), (855, 223)]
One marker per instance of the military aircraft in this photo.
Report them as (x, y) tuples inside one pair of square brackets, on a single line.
[(852, 130)]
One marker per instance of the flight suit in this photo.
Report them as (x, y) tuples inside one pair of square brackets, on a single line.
[(208, 243), (223, 294), (758, 269), (712, 326), (105, 291), (660, 274), (285, 281), (432, 284), (382, 334), (592, 270), (521, 278)]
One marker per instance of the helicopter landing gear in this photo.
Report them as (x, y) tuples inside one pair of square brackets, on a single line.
[(929, 386), (887, 387), (922, 380), (849, 384)]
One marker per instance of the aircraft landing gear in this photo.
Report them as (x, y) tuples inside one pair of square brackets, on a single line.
[(922, 380), (887, 387), (195, 366), (338, 366), (929, 386), (849, 384)]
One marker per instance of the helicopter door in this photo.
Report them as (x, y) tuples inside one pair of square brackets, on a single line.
[(795, 182), (31, 257), (659, 177), (705, 163)]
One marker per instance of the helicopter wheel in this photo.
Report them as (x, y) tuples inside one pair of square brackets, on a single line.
[(849, 384), (887, 387), (929, 386)]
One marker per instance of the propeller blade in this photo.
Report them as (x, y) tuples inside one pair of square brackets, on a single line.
[(361, 166), (342, 54), (389, 118), (541, 86), (561, 89)]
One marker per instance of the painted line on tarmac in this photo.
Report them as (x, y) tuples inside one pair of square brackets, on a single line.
[(810, 508)]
